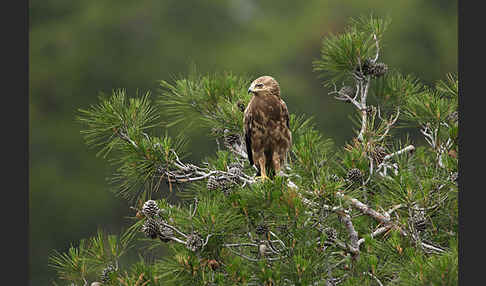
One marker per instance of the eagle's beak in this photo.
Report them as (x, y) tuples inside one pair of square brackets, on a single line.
[(249, 90)]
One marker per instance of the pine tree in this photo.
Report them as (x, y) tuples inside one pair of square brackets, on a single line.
[(378, 211)]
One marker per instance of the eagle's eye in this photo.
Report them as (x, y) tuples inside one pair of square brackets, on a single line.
[(259, 85)]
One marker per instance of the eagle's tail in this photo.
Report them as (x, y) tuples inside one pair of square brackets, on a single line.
[(248, 148)]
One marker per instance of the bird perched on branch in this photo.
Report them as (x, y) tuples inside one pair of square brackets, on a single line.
[(266, 122)]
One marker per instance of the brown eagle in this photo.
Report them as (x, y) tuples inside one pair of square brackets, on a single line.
[(266, 122)]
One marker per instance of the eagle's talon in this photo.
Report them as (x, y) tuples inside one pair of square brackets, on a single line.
[(262, 178)]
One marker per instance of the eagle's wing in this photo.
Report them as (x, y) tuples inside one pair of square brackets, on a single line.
[(247, 122)]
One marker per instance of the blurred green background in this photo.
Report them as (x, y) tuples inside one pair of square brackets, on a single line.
[(79, 48)]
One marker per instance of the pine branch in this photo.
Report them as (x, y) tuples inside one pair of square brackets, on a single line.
[(279, 226)]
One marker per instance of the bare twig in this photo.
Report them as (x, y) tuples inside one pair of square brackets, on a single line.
[(174, 229), (195, 206), (259, 246), (278, 240), (389, 124), (377, 232), (377, 48), (363, 108), (430, 135), (353, 235), (240, 244), (364, 208), (409, 148), (346, 247), (394, 208), (345, 97), (175, 239), (125, 137), (207, 239), (432, 249), (242, 255), (191, 173)]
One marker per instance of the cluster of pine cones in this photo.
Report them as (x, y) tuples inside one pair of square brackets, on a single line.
[(369, 68), (224, 183), (355, 175), (153, 226)]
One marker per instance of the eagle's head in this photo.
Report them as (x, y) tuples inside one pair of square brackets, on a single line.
[(264, 85)]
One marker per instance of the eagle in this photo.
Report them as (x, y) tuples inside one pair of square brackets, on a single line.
[(266, 127)]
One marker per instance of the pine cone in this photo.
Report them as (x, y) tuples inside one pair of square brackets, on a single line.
[(368, 68), (378, 154), (378, 69), (230, 139), (235, 168), (151, 228), (225, 185), (212, 184), (261, 229), (194, 242), (419, 220), (354, 175), (106, 273), (331, 233), (150, 208)]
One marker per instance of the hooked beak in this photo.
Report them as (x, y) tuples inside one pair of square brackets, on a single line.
[(250, 90)]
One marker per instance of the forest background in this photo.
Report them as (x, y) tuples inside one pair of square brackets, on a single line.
[(79, 49)]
